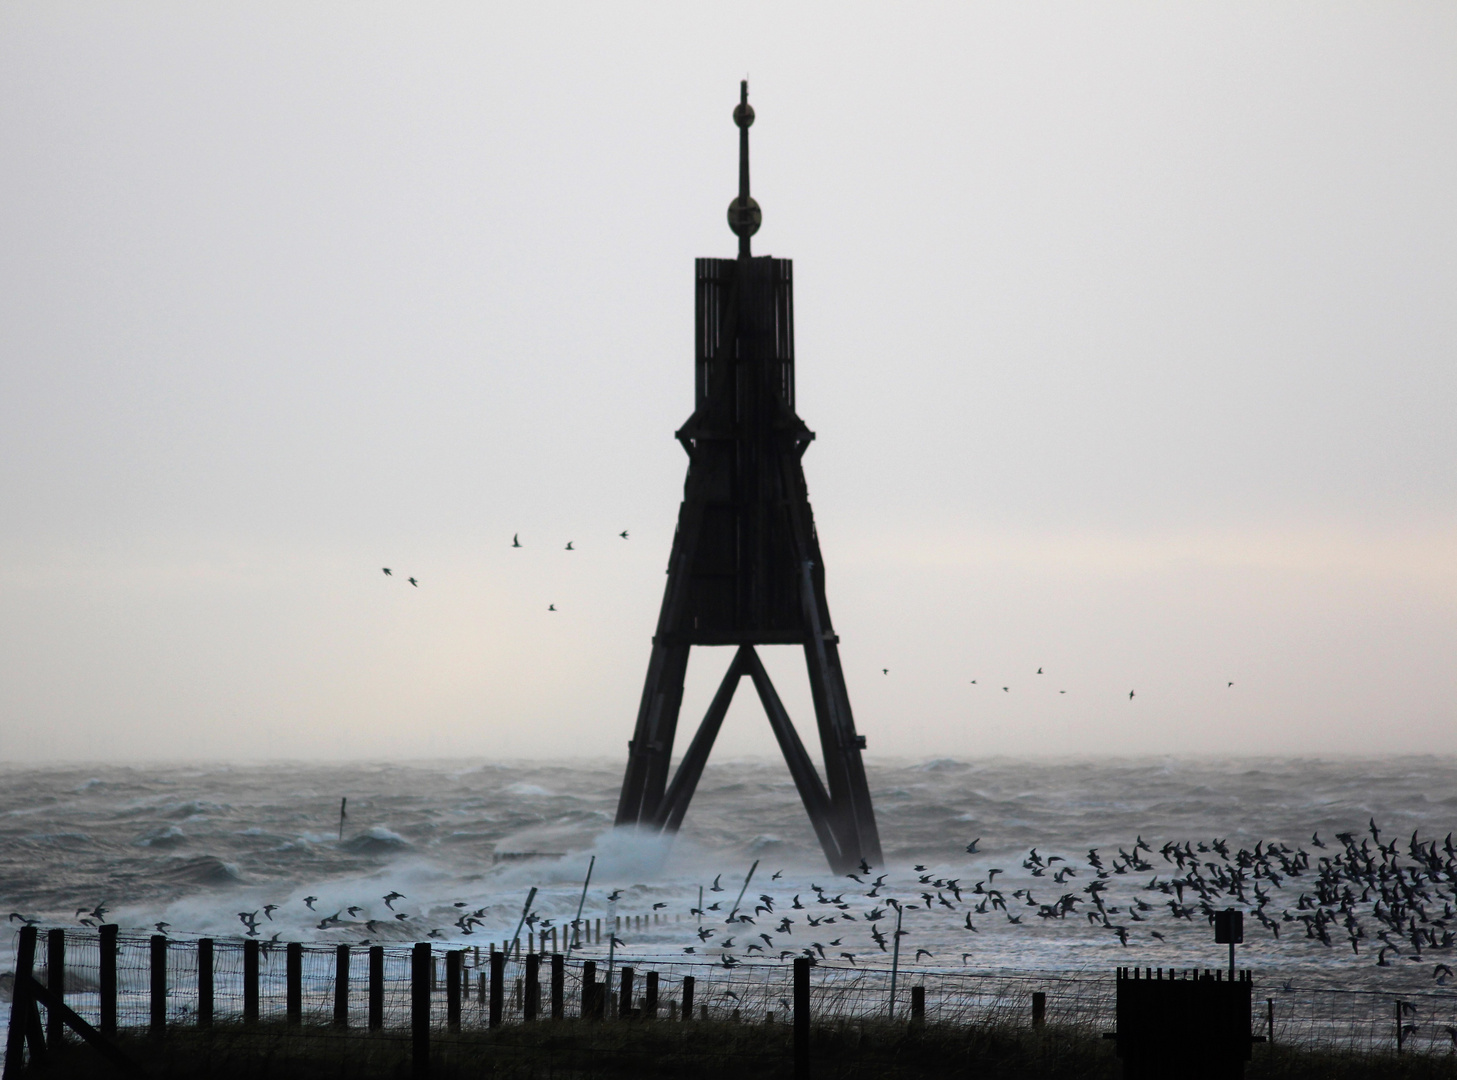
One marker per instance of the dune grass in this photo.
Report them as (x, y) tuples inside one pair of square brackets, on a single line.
[(699, 1050)]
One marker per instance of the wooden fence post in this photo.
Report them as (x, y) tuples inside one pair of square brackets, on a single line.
[(452, 989), (107, 978), (558, 986), (204, 982), (624, 996), (1039, 1008), (498, 988), (918, 1005), (422, 965), (801, 1018), (589, 988), (294, 984), (250, 981), (341, 986), (688, 984), (21, 1003), (376, 987), (531, 999), (650, 997), (1270, 1021), (55, 983), (159, 985)]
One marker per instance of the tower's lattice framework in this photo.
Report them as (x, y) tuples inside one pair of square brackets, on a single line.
[(745, 567)]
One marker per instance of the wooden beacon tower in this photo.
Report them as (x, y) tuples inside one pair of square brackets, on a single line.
[(745, 569)]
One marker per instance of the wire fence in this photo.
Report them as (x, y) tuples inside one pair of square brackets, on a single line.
[(1308, 1018)]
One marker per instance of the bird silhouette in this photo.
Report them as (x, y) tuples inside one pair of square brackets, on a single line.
[(973, 682), (550, 607), (569, 546), (1229, 685), (885, 671), (1006, 690), (1039, 671), (623, 534), (387, 572), (413, 582), (1130, 695), (516, 540), (971, 847), (309, 902)]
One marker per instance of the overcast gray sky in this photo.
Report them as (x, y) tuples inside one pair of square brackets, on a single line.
[(1127, 331)]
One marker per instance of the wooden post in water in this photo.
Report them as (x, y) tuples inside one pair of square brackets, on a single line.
[(376, 987), (801, 1018), (452, 989), (250, 981), (55, 983), (107, 978), (204, 982), (498, 988), (421, 968), (531, 999), (341, 986), (650, 997), (293, 993), (159, 985), (688, 983), (558, 986), (1039, 1008)]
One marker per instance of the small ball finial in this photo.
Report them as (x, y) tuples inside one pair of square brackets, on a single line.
[(743, 111), (745, 222)]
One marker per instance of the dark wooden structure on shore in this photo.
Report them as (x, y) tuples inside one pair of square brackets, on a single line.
[(745, 568), (1186, 1023)]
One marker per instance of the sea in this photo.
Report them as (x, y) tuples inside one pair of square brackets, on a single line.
[(207, 849)]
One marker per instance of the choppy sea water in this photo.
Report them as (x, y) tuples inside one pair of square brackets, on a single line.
[(195, 846)]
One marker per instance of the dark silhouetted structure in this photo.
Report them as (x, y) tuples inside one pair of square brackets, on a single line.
[(1191, 1024), (745, 568)]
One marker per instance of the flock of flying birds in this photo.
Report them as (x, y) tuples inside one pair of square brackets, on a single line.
[(1358, 892), (515, 543), (1392, 899)]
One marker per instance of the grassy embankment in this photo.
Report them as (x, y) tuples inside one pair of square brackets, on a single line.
[(701, 1051)]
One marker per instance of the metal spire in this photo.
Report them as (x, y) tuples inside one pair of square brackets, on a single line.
[(744, 216)]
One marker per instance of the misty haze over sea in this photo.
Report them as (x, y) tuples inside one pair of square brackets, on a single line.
[(193, 845)]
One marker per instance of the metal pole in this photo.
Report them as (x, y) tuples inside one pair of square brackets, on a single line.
[(745, 889), (895, 960), (576, 936)]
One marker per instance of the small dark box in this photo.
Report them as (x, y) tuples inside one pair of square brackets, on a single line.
[(1229, 927)]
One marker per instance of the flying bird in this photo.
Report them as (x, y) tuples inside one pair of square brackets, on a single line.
[(623, 534), (569, 546), (971, 847), (1130, 695), (885, 671), (550, 607), (516, 540), (387, 572), (1039, 671), (413, 582), (309, 902)]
